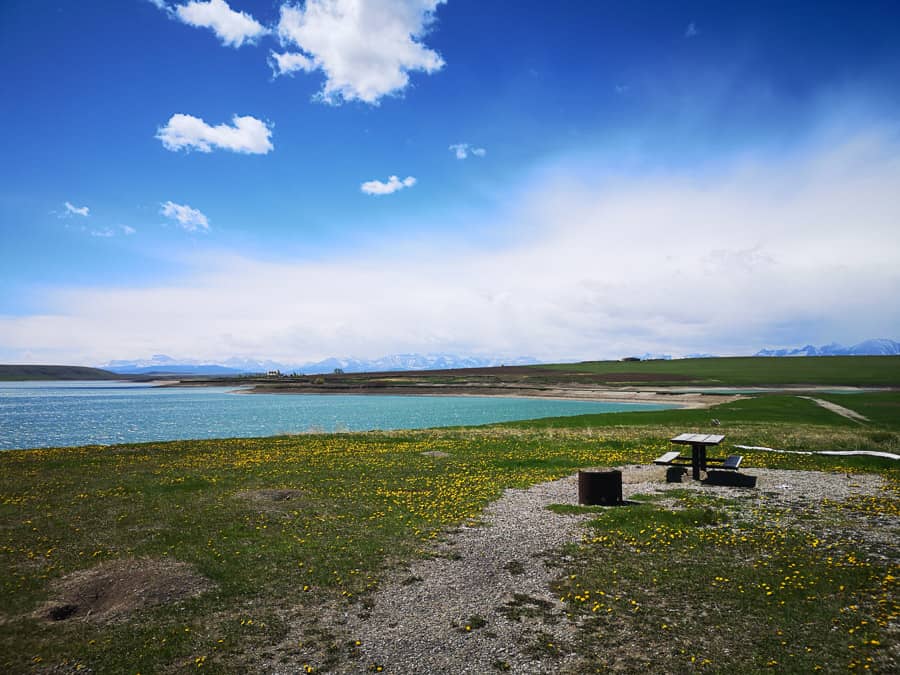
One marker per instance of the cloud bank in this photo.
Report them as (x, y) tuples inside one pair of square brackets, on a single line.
[(365, 49), (246, 135), (765, 252)]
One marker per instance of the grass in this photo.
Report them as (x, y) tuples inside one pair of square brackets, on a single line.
[(882, 409), (765, 419), (754, 370), (691, 590), (367, 502), (763, 409)]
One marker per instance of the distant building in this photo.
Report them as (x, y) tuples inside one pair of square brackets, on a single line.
[(273, 373)]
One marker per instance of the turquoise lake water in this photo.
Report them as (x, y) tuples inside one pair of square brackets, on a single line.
[(50, 414)]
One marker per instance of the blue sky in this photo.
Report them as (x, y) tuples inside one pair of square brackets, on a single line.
[(573, 180)]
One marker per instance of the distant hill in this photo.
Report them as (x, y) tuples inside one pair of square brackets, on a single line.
[(875, 347), (160, 364), (33, 372)]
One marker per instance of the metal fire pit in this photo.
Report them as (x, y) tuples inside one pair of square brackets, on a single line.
[(600, 487)]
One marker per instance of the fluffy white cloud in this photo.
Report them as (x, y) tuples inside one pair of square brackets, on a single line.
[(231, 27), (71, 210), (769, 252), (245, 135), (289, 63), (187, 218), (463, 150), (376, 187), (366, 48), (127, 229)]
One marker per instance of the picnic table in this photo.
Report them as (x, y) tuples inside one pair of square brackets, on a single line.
[(698, 459)]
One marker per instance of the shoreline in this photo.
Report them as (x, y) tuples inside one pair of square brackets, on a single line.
[(682, 400)]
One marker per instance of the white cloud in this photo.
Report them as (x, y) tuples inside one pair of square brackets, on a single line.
[(691, 30), (289, 63), (463, 150), (774, 251), (188, 218), (246, 135), (366, 49), (376, 187), (71, 209), (231, 27), (106, 232)]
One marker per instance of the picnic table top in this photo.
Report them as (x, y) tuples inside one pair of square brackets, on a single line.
[(698, 439)]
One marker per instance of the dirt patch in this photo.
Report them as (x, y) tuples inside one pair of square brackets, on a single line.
[(271, 495), (115, 590), (440, 454)]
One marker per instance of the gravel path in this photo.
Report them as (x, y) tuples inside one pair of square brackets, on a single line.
[(838, 409), (495, 578), (419, 624)]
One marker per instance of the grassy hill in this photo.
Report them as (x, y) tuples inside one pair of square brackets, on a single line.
[(33, 372)]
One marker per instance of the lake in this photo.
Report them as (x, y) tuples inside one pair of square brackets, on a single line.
[(50, 414)]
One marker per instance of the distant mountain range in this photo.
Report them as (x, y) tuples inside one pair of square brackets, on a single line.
[(875, 347), (162, 364)]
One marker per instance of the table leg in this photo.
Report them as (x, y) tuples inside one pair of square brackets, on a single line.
[(695, 461)]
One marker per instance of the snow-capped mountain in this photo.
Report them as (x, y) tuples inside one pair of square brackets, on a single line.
[(160, 363), (874, 347)]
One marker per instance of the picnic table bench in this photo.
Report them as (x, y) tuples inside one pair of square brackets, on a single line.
[(698, 461)]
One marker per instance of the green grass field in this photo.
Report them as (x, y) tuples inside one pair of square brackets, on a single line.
[(883, 409), (800, 591), (754, 370)]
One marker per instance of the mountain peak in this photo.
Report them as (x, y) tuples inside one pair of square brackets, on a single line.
[(871, 347)]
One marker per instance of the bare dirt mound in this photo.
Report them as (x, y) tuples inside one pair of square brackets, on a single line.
[(116, 589), (271, 495)]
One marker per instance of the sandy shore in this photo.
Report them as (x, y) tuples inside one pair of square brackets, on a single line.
[(681, 399)]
